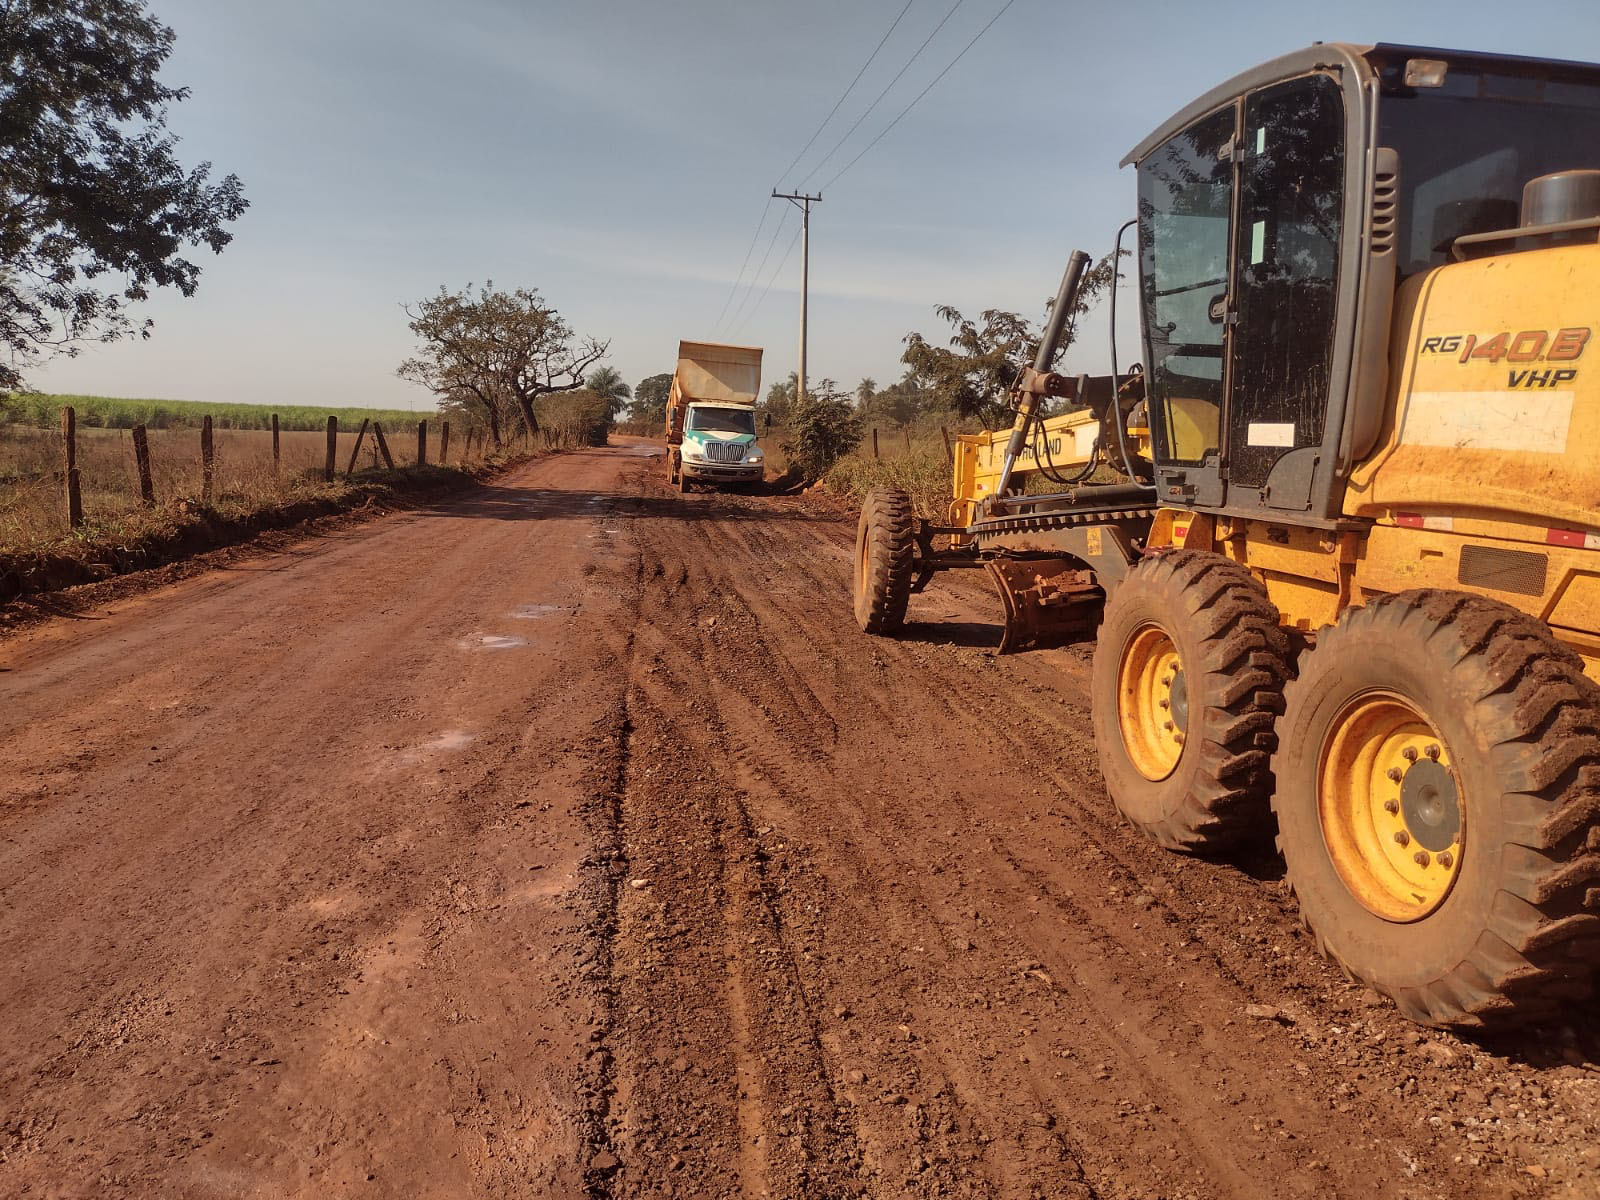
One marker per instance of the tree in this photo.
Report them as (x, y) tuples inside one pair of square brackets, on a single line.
[(826, 428), (95, 210), (865, 391), (901, 403), (650, 399), (779, 406), (497, 350), (606, 382), (974, 376)]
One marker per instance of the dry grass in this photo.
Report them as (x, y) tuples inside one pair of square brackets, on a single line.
[(923, 470), (33, 514)]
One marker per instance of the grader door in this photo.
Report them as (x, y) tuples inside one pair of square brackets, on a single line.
[(1243, 260)]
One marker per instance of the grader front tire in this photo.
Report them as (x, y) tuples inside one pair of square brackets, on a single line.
[(885, 550), (1189, 667), (1438, 803)]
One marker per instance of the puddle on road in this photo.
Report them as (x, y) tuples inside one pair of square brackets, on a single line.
[(454, 739), (447, 742), (537, 612), (491, 641)]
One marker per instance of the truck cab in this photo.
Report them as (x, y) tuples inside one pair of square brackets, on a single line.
[(719, 444)]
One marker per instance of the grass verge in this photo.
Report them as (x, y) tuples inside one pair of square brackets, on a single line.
[(138, 539)]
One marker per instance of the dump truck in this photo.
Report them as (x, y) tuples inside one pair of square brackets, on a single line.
[(711, 416), (1338, 541)]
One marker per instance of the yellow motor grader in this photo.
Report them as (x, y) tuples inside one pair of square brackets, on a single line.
[(1347, 568)]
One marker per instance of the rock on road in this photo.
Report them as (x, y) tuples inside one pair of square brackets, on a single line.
[(566, 838)]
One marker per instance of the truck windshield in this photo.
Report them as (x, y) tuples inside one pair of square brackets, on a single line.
[(722, 420), (1467, 148)]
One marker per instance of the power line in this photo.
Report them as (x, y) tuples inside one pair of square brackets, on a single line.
[(845, 95), (916, 55), (761, 224), (777, 230), (739, 278), (919, 96), (773, 279)]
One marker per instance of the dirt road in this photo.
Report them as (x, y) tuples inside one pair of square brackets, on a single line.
[(568, 838)]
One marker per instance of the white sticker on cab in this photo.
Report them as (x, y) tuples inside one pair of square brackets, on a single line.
[(1270, 433)]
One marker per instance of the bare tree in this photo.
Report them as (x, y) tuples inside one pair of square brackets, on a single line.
[(504, 349)]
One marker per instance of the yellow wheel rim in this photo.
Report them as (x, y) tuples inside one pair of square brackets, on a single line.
[(863, 556), (1152, 702), (1392, 809)]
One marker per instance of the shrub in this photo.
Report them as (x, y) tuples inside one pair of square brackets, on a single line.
[(825, 427), (579, 418)]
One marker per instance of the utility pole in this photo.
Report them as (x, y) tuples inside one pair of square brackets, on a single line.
[(803, 202)]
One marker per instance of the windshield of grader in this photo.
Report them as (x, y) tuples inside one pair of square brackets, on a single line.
[(1467, 148)]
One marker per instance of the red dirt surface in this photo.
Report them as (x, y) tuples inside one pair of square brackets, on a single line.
[(567, 838)]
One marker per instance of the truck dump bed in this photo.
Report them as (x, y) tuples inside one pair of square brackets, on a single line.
[(713, 372)]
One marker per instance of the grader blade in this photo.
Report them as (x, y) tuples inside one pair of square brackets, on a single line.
[(1046, 605)]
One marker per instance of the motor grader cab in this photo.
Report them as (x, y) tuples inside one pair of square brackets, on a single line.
[(1360, 591)]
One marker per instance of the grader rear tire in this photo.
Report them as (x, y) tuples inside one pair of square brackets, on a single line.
[(1189, 667), (1438, 812), (885, 549)]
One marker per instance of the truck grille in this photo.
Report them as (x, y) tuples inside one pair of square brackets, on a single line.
[(725, 452)]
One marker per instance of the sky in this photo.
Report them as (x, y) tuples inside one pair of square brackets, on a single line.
[(617, 155)]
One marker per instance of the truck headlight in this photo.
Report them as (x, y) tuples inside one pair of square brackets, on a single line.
[(754, 458), (693, 455)]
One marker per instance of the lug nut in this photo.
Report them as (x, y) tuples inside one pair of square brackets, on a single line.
[(1433, 752), (1420, 858), (1166, 724), (1396, 774), (1391, 807), (1445, 859), (1409, 754), (1402, 838), (1165, 703)]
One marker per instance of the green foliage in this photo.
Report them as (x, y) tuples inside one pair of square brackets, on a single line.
[(778, 407), (825, 427), (495, 353), (95, 210), (974, 375), (606, 382), (900, 404), (650, 400), (109, 412)]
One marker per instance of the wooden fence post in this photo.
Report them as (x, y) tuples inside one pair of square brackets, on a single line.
[(141, 459), (907, 431), (444, 442), (275, 447), (333, 448), (69, 438), (208, 462), (383, 444), (949, 452), (422, 443), (874, 441), (356, 449)]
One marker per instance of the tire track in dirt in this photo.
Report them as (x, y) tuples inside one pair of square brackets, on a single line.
[(1149, 961)]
